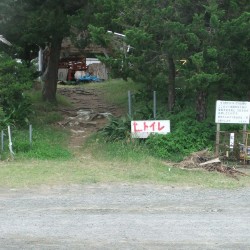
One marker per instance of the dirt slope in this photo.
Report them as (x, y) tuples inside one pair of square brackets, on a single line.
[(88, 113)]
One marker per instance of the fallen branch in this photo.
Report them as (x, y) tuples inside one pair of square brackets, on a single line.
[(201, 160), (216, 160), (229, 171)]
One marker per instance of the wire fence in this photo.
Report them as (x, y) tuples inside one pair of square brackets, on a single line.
[(12, 138), (234, 146)]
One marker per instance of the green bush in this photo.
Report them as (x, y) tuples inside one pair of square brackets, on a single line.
[(47, 144), (188, 136), (116, 129), (3, 118), (15, 78)]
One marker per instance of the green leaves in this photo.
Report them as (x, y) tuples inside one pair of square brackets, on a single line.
[(193, 39), (198, 60), (15, 78), (212, 52), (117, 129), (139, 38), (188, 136)]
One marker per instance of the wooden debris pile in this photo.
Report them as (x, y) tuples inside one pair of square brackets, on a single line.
[(194, 159), (204, 159)]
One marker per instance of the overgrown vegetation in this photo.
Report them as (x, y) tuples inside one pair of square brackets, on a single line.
[(15, 79), (47, 143), (116, 129), (191, 54), (205, 43), (115, 91), (187, 137), (50, 161), (45, 112)]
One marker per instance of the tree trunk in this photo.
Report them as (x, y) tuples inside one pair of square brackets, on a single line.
[(50, 79), (220, 92), (201, 105), (171, 84), (248, 95)]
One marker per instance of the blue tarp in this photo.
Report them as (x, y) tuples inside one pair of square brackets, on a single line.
[(89, 78)]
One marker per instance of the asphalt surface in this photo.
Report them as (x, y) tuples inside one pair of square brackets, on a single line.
[(122, 216)]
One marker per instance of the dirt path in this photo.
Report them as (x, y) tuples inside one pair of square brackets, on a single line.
[(122, 216), (87, 99), (88, 113)]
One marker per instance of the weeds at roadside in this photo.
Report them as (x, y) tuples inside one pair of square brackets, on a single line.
[(47, 143), (50, 162), (125, 151)]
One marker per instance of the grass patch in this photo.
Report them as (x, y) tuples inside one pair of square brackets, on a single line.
[(87, 170), (101, 163), (135, 163), (131, 151), (47, 143), (116, 91), (50, 162), (45, 112), (36, 98)]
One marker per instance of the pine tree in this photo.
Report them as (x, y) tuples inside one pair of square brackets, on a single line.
[(34, 23)]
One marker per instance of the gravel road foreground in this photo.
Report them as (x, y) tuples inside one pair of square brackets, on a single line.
[(124, 216)]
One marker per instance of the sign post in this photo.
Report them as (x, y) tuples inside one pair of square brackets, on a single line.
[(129, 104), (231, 112), (217, 143), (142, 129), (154, 99)]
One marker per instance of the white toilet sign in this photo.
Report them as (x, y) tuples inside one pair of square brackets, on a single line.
[(232, 112), (231, 143), (142, 129)]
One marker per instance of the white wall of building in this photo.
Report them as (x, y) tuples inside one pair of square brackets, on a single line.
[(92, 60)]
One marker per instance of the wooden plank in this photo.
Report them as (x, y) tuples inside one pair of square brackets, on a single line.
[(216, 160)]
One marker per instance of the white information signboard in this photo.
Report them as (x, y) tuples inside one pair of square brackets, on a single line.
[(232, 112), (142, 129)]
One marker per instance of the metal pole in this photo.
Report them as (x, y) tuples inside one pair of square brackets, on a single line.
[(244, 133), (30, 134), (10, 143), (245, 142), (217, 143), (40, 60), (129, 103), (2, 141), (154, 104)]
